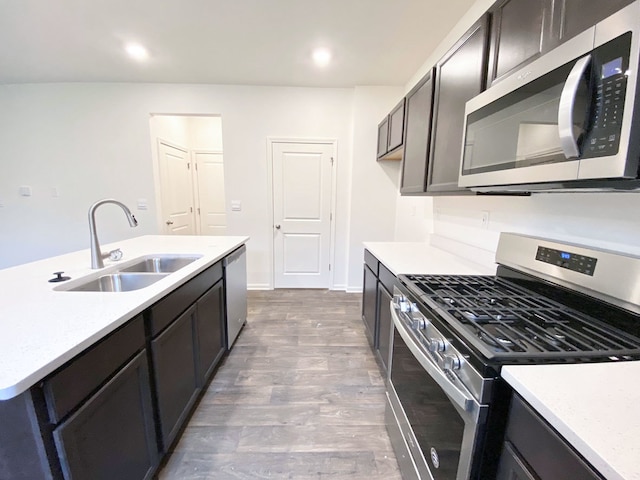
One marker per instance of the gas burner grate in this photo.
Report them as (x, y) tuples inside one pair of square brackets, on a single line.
[(505, 320)]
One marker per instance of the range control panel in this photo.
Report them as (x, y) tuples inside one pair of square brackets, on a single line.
[(568, 260)]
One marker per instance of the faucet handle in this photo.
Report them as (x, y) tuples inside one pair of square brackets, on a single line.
[(115, 255)]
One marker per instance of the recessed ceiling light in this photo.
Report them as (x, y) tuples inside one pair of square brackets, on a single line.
[(136, 51), (321, 57)]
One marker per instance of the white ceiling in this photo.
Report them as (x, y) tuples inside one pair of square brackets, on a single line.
[(250, 42)]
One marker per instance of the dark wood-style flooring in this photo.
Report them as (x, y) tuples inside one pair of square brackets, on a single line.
[(299, 396)]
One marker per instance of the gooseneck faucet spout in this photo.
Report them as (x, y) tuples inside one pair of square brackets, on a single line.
[(96, 255)]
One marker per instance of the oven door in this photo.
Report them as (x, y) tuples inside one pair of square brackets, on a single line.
[(430, 419)]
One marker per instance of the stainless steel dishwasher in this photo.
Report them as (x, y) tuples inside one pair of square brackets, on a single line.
[(235, 277)]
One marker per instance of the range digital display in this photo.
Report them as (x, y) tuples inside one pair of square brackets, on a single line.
[(614, 67), (568, 260)]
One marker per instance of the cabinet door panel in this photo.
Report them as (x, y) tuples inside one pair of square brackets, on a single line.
[(369, 298), (518, 31), (575, 16), (174, 360), (383, 137), (396, 126), (460, 76), (112, 434), (384, 325), (211, 337), (417, 135)]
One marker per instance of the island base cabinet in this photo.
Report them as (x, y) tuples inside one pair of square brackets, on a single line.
[(112, 435), (211, 332), (26, 451), (175, 367)]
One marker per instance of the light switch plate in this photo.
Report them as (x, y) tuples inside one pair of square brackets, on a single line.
[(236, 205), (142, 204), (24, 190)]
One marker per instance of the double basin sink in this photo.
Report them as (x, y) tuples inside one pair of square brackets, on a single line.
[(140, 274)]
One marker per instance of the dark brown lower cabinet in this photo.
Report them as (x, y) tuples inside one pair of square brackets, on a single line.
[(211, 331), (384, 325), (533, 450), (369, 304), (175, 373), (112, 435)]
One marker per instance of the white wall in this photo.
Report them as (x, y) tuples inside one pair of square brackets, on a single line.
[(92, 141), (607, 220), (374, 185)]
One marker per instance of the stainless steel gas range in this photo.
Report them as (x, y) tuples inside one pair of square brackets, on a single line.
[(549, 302)]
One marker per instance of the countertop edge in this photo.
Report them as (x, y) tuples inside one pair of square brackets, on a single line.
[(8, 392)]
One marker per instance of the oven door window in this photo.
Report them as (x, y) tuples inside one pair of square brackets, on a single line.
[(438, 427)]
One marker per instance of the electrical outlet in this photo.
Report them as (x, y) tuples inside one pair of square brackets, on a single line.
[(485, 219)]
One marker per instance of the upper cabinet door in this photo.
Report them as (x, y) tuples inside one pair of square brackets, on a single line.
[(396, 126), (520, 30), (417, 132), (575, 16), (383, 136), (460, 76)]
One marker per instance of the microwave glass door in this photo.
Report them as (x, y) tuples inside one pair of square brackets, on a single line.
[(521, 128)]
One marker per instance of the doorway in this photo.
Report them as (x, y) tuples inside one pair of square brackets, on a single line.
[(189, 174), (303, 208)]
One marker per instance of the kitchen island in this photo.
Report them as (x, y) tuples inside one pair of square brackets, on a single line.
[(73, 361)]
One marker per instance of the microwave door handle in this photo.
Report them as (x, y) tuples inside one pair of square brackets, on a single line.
[(568, 141)]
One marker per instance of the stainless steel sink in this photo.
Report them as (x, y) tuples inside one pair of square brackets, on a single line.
[(119, 282), (161, 264)]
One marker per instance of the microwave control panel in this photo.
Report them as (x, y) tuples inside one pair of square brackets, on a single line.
[(610, 63), (568, 260)]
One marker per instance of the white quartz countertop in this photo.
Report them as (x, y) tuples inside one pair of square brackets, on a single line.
[(594, 406), (42, 328), (424, 258)]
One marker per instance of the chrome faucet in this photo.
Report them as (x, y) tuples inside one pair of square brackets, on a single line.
[(96, 255)]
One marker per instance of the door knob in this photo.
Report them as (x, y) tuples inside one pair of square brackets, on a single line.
[(169, 222), (277, 227)]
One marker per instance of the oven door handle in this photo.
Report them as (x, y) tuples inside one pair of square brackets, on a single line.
[(462, 399)]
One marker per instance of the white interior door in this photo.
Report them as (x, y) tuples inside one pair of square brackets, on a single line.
[(302, 196), (210, 186), (176, 190)]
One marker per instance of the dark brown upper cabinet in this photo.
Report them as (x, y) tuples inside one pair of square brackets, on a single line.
[(383, 137), (390, 134), (575, 16), (520, 30), (417, 134), (460, 76)]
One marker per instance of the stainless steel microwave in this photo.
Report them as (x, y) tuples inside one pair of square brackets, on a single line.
[(570, 119)]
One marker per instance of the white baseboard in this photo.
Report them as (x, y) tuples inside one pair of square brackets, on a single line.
[(259, 286), (354, 289)]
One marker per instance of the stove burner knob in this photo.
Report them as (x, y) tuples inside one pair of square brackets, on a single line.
[(436, 345), (451, 362), (417, 322)]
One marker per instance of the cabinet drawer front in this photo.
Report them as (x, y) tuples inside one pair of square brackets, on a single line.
[(371, 261), (166, 310), (387, 278), (75, 381), (546, 452), (112, 435)]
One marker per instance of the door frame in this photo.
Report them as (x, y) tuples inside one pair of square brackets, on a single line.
[(334, 182)]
